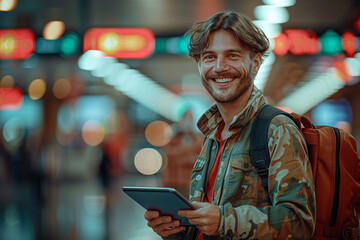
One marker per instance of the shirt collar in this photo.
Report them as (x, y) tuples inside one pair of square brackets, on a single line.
[(211, 119)]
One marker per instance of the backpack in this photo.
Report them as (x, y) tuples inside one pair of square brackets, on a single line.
[(336, 169)]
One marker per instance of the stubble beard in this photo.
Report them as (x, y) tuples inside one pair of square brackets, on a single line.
[(245, 82)]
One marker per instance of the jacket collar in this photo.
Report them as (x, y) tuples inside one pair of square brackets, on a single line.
[(211, 119)]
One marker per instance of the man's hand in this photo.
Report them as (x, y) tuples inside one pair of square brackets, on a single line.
[(164, 226), (206, 217)]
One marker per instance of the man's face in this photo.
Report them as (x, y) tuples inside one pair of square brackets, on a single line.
[(226, 68)]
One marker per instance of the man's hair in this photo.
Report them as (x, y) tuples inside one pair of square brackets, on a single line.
[(250, 36)]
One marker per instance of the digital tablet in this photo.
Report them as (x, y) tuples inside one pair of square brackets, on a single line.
[(167, 201)]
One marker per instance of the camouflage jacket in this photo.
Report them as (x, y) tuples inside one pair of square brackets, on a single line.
[(248, 211)]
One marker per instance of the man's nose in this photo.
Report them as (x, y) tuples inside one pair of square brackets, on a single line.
[(221, 65)]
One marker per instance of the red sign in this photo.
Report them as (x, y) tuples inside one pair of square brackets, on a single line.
[(349, 43), (297, 42), (120, 42), (16, 43)]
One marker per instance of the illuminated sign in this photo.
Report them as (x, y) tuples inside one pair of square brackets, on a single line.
[(330, 43), (297, 42), (16, 43), (120, 42), (305, 42), (349, 43)]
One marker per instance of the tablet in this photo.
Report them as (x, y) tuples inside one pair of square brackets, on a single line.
[(167, 201)]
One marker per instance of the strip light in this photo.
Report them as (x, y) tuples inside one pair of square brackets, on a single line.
[(269, 17), (134, 84), (313, 92), (321, 86)]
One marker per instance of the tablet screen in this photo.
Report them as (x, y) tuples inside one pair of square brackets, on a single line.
[(165, 200)]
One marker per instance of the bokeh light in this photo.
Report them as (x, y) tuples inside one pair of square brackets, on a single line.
[(280, 3), (64, 138), (7, 5), (158, 133), (95, 204), (36, 89), (11, 98), (7, 81), (271, 13), (62, 88), (53, 30), (148, 161), (93, 132), (341, 70), (91, 60), (13, 130)]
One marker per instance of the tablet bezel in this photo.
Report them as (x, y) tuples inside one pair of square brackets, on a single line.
[(174, 215)]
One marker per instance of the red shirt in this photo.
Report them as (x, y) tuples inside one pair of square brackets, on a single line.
[(214, 171)]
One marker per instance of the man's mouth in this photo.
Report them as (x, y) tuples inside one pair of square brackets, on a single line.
[(222, 80)]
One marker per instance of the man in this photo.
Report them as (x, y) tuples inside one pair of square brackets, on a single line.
[(225, 186)]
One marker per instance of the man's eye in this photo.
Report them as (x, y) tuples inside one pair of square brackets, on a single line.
[(234, 55), (208, 57)]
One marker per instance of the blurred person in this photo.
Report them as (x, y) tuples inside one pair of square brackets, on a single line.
[(181, 153), (225, 187)]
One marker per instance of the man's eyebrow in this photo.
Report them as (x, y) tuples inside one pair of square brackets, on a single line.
[(207, 51), (235, 50)]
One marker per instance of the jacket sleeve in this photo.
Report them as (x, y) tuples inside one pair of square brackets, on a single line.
[(291, 214)]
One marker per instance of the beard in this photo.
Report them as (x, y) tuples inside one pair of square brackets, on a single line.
[(243, 81)]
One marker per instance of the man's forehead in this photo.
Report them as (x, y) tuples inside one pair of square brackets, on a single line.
[(223, 40)]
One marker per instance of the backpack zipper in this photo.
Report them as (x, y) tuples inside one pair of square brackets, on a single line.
[(335, 206)]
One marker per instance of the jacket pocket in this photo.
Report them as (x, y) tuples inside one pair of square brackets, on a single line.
[(198, 170), (197, 180), (243, 179)]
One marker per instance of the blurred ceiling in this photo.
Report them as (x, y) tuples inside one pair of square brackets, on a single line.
[(168, 17), (172, 18)]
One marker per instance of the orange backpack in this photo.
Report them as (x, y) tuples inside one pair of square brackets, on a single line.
[(336, 168)]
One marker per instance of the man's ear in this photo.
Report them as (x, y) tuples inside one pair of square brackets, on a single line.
[(257, 60)]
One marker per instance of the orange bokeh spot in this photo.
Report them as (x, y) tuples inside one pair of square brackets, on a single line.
[(342, 71), (282, 45), (158, 133), (93, 133)]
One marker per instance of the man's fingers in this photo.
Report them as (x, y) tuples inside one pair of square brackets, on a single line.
[(198, 221), (151, 214), (163, 227), (171, 231), (167, 229), (200, 204), (189, 213), (153, 223)]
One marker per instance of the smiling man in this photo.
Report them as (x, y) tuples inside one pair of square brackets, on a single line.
[(225, 186)]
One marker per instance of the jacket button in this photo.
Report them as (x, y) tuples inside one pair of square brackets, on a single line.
[(198, 178)]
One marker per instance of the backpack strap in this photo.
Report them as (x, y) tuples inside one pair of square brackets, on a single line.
[(259, 151)]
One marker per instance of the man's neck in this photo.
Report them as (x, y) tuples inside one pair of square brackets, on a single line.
[(229, 110)]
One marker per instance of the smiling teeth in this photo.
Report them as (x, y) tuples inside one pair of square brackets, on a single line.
[(223, 80)]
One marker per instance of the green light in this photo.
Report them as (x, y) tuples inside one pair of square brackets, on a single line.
[(160, 45), (69, 44), (183, 44), (330, 43)]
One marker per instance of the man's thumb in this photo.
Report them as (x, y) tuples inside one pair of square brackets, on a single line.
[(199, 204)]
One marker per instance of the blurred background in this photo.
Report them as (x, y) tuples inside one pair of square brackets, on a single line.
[(95, 95)]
